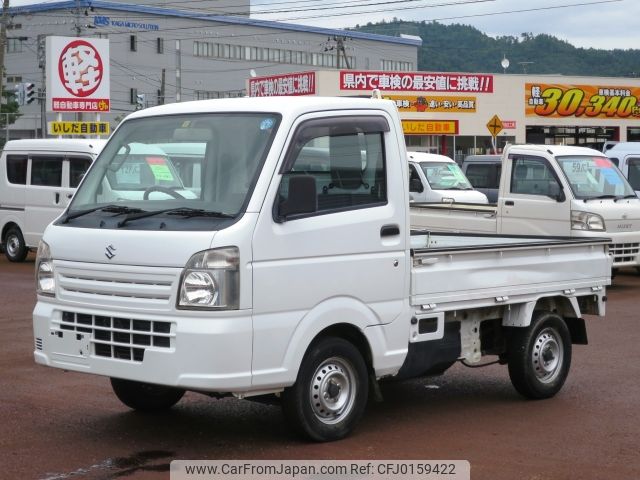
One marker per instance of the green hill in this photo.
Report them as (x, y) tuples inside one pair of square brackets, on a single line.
[(464, 48)]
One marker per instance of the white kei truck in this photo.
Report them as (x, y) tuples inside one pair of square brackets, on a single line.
[(550, 190), (292, 278)]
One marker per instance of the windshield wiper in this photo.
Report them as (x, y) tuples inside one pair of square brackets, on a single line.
[(119, 209), (183, 211), (626, 196), (600, 197)]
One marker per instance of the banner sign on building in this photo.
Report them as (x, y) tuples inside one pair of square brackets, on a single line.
[(303, 83), (79, 128), (448, 104), (587, 101), (78, 74), (430, 127), (415, 81)]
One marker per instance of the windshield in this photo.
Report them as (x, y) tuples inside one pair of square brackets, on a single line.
[(594, 177), (445, 176), (205, 163)]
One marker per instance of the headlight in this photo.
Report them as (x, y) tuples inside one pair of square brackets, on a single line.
[(45, 276), (211, 280), (586, 221)]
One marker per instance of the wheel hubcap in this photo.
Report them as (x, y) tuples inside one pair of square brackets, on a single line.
[(13, 245), (332, 391), (547, 355)]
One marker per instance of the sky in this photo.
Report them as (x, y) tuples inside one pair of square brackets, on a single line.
[(605, 24)]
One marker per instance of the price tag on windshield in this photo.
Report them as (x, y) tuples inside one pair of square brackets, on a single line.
[(159, 168)]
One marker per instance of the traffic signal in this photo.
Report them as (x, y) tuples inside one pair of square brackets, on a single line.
[(29, 93), (140, 97), (19, 93)]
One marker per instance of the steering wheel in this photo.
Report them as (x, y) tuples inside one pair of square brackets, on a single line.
[(160, 188)]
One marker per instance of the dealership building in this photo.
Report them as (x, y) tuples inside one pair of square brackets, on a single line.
[(205, 49), (459, 113)]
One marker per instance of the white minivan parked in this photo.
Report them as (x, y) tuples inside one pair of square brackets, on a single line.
[(437, 178), (37, 180), (626, 156)]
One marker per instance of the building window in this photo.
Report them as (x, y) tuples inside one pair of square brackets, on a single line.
[(159, 45), (133, 43), (14, 45), (394, 65), (14, 79), (14, 26), (102, 35)]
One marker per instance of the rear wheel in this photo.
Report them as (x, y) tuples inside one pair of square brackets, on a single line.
[(14, 247), (145, 396), (330, 393), (540, 356)]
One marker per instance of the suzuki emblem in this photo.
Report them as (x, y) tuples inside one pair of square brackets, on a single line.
[(110, 252)]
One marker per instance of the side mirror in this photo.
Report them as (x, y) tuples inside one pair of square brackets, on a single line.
[(415, 185), (302, 197)]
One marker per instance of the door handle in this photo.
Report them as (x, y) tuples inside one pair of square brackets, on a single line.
[(57, 197), (508, 203), (389, 230)]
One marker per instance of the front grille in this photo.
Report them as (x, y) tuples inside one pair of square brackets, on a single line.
[(624, 252), (116, 337)]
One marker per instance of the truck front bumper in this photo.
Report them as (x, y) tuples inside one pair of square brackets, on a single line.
[(195, 353), (624, 247)]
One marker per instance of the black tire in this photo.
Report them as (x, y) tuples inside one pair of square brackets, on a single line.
[(145, 396), (540, 356), (335, 369), (14, 247)]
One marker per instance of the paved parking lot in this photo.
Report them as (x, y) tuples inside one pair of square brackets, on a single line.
[(59, 425)]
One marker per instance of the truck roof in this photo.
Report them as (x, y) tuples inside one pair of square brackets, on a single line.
[(556, 150), (428, 157), (284, 105), (85, 145)]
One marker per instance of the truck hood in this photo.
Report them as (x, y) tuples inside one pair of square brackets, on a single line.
[(126, 247), (460, 196), (620, 216)]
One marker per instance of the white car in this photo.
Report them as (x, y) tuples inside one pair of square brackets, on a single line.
[(436, 178)]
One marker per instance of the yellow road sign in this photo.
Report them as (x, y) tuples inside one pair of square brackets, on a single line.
[(494, 126), (79, 128)]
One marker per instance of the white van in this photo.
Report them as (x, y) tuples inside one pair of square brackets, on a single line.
[(436, 178), (37, 180), (626, 156)]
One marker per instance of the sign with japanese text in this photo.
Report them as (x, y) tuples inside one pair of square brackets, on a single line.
[(416, 81), (303, 83), (78, 74), (508, 124), (430, 127), (587, 101), (446, 104), (79, 128)]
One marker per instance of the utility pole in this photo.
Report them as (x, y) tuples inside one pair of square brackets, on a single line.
[(42, 60), (3, 42), (78, 28), (178, 72), (162, 87)]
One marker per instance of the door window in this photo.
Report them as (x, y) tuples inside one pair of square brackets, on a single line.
[(17, 169), (77, 168), (533, 176), (46, 171), (343, 158), (634, 172), (415, 184)]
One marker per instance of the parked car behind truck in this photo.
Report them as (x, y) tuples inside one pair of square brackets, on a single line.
[(37, 180), (295, 281), (551, 190), (437, 178)]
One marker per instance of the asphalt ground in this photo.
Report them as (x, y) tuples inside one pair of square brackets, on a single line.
[(61, 425)]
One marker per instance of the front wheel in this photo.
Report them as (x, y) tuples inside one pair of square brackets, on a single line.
[(14, 247), (145, 396), (540, 356), (330, 393)]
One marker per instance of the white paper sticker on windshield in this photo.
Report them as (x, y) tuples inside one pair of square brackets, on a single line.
[(128, 173)]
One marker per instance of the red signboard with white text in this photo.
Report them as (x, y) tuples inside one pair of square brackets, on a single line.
[(416, 81), (302, 83), (78, 74)]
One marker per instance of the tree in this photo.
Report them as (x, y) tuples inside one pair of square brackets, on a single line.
[(9, 113)]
